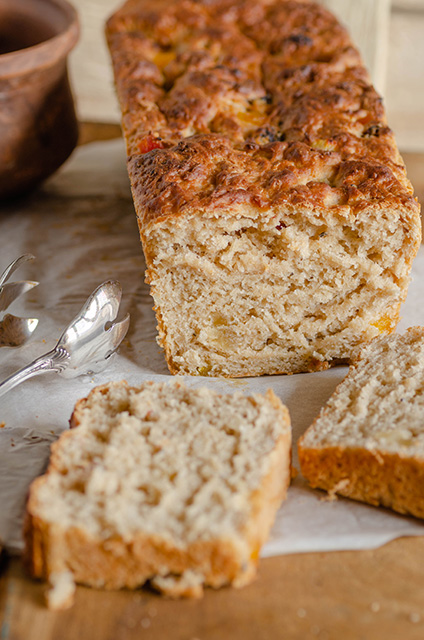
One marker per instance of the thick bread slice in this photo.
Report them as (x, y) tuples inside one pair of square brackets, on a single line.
[(368, 441), (159, 482), (277, 221)]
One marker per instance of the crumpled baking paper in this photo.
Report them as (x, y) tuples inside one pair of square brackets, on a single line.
[(82, 228)]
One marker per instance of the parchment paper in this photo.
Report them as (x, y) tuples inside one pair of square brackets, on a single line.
[(82, 228)]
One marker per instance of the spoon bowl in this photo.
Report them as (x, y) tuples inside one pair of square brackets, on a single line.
[(15, 331), (86, 344)]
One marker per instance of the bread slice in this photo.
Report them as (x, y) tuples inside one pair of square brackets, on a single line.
[(159, 483), (277, 221), (368, 441)]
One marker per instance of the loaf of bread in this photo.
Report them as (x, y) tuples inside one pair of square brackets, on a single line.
[(368, 442), (277, 221), (159, 483)]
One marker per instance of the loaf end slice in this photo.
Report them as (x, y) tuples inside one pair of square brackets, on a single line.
[(368, 441), (159, 483)]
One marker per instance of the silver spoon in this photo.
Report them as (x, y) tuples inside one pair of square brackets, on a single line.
[(14, 331), (15, 265), (86, 344)]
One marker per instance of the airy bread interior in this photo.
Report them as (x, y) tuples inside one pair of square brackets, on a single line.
[(380, 404), (277, 221), (160, 482), (171, 461), (275, 293), (368, 442)]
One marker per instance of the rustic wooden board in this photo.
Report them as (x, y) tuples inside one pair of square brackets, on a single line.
[(369, 595)]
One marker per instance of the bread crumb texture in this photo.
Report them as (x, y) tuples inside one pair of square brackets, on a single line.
[(61, 591), (159, 482), (277, 221), (368, 441)]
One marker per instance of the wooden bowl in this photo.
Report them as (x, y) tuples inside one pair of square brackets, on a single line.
[(38, 125)]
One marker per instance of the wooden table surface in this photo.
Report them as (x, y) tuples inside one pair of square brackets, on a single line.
[(350, 595)]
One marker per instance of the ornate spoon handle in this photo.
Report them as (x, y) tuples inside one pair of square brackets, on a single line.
[(55, 361), (87, 342)]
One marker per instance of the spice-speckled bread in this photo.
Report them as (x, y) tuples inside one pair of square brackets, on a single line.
[(159, 482), (368, 442), (276, 218)]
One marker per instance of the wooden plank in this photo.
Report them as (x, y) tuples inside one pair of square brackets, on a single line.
[(94, 131), (374, 595)]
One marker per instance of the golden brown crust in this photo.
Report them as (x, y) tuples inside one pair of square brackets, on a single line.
[(227, 104), (378, 478), (268, 497), (114, 564), (258, 109), (370, 475)]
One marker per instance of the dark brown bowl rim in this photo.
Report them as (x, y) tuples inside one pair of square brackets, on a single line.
[(48, 52)]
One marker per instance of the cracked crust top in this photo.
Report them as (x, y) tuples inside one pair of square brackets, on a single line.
[(242, 103)]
